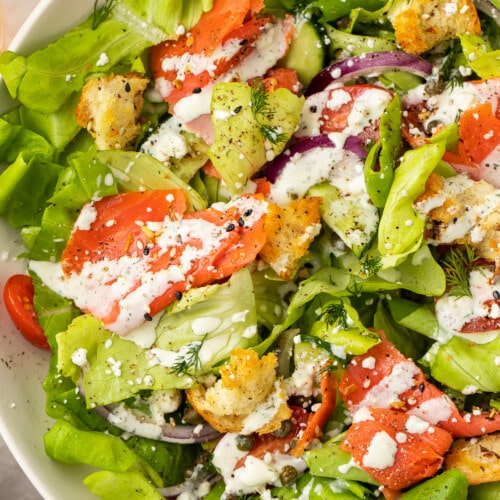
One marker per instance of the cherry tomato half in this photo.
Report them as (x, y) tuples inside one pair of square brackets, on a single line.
[(18, 295)]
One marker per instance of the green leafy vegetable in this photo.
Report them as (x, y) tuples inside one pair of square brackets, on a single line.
[(240, 149), (457, 265)]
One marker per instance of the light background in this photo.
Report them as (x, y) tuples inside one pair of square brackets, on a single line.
[(13, 483)]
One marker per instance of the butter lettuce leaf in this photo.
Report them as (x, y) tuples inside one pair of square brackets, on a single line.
[(115, 368), (44, 80), (25, 187), (85, 179), (200, 330), (480, 56), (401, 227), (240, 148), (16, 139), (135, 171), (467, 366), (160, 19), (71, 445), (110, 485)]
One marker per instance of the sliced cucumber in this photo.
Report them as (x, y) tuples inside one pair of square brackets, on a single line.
[(307, 52)]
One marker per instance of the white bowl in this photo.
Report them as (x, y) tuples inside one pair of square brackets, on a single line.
[(23, 421)]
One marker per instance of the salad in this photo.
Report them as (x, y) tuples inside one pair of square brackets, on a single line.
[(263, 247)]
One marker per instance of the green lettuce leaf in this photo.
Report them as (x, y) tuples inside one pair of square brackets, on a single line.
[(116, 368), (330, 461), (45, 80), (401, 228), (160, 19), (25, 187), (135, 171), (68, 444), (466, 366), (58, 128), (480, 57), (241, 115), (132, 485), (84, 180), (200, 330), (16, 140)]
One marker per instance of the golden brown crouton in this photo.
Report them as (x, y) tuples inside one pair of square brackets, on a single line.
[(458, 211), (290, 230), (478, 458), (421, 25), (247, 398), (109, 108)]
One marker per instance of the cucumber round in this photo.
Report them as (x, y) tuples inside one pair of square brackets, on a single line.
[(306, 54)]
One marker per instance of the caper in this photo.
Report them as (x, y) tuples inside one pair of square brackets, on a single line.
[(288, 475), (244, 442), (284, 430), (434, 86), (431, 126)]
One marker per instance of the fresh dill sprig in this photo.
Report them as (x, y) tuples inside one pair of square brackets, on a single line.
[(335, 313), (189, 362), (457, 264), (260, 109), (370, 266), (448, 70), (100, 14)]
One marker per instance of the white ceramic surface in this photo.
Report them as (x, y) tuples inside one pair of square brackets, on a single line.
[(22, 367)]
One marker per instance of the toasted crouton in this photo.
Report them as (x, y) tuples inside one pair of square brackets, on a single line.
[(248, 386), (478, 458), (421, 25), (109, 108), (290, 230), (459, 211)]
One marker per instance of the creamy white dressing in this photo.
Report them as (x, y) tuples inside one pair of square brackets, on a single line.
[(160, 403), (381, 451), (476, 210), (415, 425), (128, 280), (447, 106), (167, 142), (435, 410), (307, 169), (269, 48), (387, 391), (256, 473), (452, 313), (265, 411)]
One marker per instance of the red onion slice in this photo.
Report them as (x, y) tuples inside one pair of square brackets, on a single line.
[(367, 64), (273, 169), (169, 433)]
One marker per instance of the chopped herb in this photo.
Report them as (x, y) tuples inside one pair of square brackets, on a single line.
[(447, 70), (335, 313), (370, 266), (260, 108), (188, 362), (457, 264), (100, 14)]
